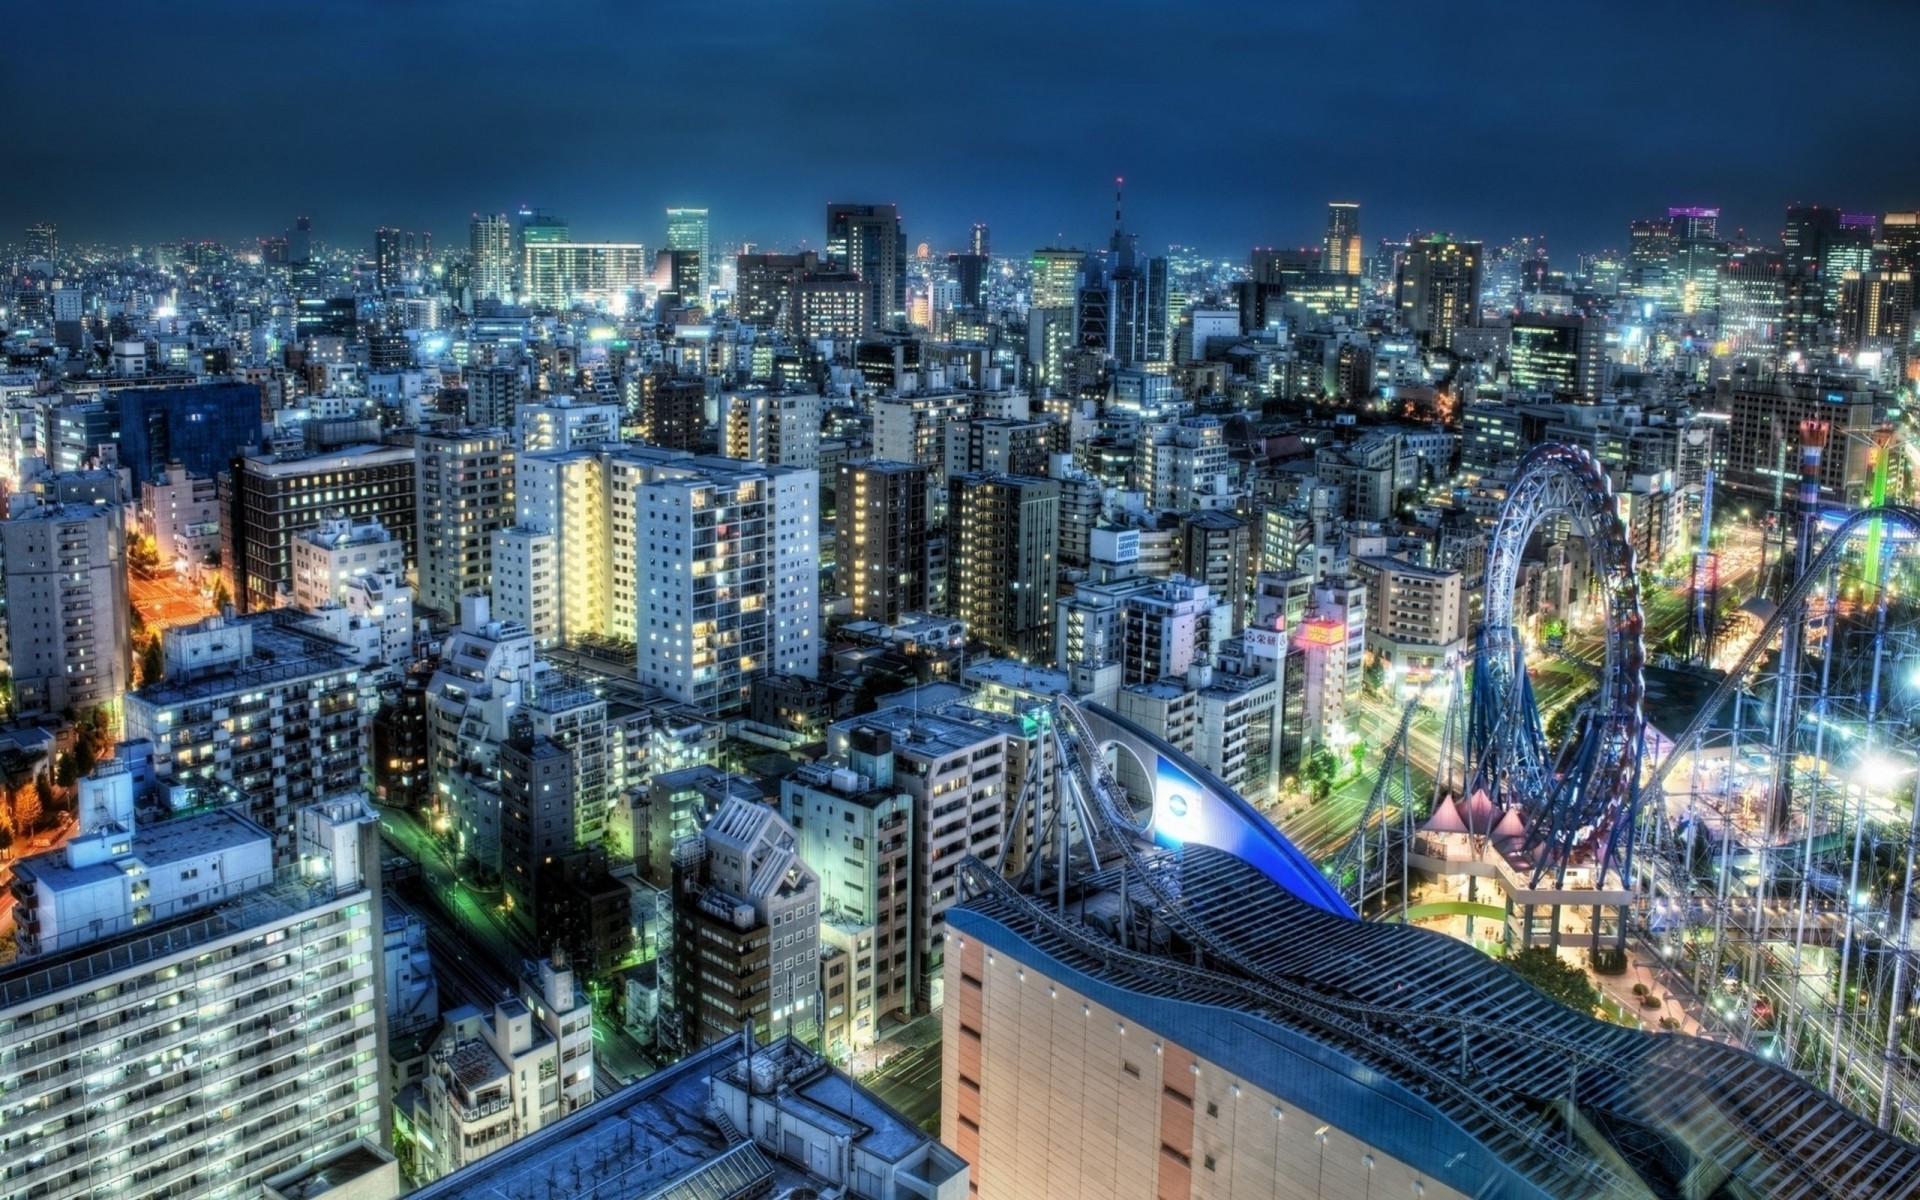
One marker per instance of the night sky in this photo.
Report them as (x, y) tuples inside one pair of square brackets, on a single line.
[(1234, 123)]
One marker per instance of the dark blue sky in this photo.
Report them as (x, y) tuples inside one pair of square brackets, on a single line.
[(1234, 123)]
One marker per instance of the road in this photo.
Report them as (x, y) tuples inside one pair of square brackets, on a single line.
[(464, 931), (910, 1082)]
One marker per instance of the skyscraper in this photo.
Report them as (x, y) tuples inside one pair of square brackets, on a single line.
[(65, 581), (387, 264), (868, 239), (690, 229), (979, 242), (491, 240), (267, 499), (1565, 356), (1439, 288), (1343, 248), (880, 527), (1003, 549), (43, 240), (1139, 313)]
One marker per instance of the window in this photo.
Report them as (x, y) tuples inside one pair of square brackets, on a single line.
[(1176, 1097)]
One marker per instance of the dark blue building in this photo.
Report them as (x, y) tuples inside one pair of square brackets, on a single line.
[(202, 426)]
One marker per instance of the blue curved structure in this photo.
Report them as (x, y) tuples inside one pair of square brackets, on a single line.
[(1192, 807)]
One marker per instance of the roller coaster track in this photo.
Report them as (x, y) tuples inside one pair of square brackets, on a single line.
[(1352, 855), (1790, 603)]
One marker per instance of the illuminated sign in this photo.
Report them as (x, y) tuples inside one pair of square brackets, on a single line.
[(1186, 811), (1321, 631)]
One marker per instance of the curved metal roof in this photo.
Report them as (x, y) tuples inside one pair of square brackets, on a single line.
[(1575, 1106)]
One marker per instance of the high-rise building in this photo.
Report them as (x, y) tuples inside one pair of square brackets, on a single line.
[(1565, 356), (980, 240), (463, 494), (495, 264), (495, 393), (388, 264), (1344, 250), (564, 422), (65, 575), (267, 499), (131, 932), (969, 273), (880, 538), (670, 411), (1900, 234), (804, 302), (1003, 549), (1876, 309), (1055, 276), (690, 230), (43, 241), (1763, 434), (200, 425), (1650, 245), (562, 274), (747, 928), (1139, 314), (710, 564), (1439, 288), (279, 701), (868, 240)]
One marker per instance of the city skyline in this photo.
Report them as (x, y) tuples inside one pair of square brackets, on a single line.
[(1596, 141)]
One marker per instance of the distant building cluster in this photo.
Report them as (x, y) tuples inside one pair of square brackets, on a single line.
[(448, 679)]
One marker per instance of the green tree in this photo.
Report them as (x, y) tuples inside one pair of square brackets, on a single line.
[(64, 772), (221, 596), (1550, 973), (1320, 771), (152, 664)]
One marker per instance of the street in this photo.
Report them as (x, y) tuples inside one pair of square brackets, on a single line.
[(910, 1082)]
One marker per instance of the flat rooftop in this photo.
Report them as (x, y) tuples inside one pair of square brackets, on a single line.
[(155, 845), (654, 1138)]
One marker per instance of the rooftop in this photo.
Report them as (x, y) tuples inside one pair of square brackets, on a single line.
[(657, 1139), (155, 845)]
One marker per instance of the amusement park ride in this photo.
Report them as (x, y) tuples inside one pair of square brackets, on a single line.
[(1774, 883)]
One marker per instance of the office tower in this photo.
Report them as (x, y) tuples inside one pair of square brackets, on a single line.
[(690, 231), (199, 425), (388, 264), (300, 242), (1343, 246), (129, 935), (1565, 356), (1439, 288), (1848, 248), (43, 241), (1003, 549), (747, 929), (494, 1078), (686, 275), (495, 393), (495, 269), (1139, 314), (1694, 224), (1183, 464), (560, 273), (1650, 244), (463, 493), (855, 824), (777, 428), (1763, 434), (325, 317), (880, 538), (65, 574), (960, 777), (1900, 234), (1876, 309), (266, 499), (1055, 275), (282, 704), (1753, 298), (666, 1135), (979, 240), (794, 295), (867, 239), (969, 277), (1808, 229)]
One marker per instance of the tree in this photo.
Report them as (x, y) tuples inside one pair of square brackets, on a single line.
[(1320, 770), (221, 596), (1550, 973), (64, 772), (152, 664)]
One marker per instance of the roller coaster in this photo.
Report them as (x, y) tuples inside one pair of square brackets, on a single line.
[(1777, 888)]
